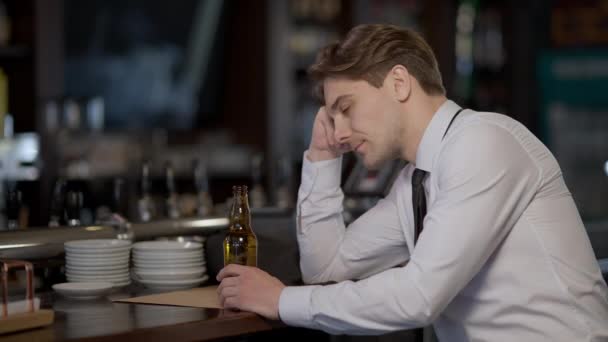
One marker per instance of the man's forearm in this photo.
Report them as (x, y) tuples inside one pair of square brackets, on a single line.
[(320, 228)]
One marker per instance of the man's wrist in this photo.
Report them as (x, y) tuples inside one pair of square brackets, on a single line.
[(295, 305), (315, 155), (278, 307)]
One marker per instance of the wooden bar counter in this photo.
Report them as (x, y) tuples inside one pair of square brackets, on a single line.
[(104, 320)]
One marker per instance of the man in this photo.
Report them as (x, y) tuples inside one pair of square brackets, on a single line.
[(479, 235)]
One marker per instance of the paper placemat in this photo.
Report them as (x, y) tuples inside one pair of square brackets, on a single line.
[(202, 297)]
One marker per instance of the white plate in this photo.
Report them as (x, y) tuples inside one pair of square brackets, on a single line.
[(170, 274), (163, 254), (89, 260), (112, 279), (97, 244), (97, 268), (167, 246), (98, 254), (173, 285), (174, 265), (88, 290), (168, 260), (123, 250), (168, 257), (85, 263), (99, 279), (98, 273), (117, 285)]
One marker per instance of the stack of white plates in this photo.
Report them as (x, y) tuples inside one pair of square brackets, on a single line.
[(169, 265), (102, 260)]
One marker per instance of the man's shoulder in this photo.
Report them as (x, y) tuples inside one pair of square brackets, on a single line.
[(485, 119), (484, 135), (488, 124)]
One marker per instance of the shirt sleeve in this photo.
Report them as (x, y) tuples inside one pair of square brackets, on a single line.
[(328, 250), (486, 179)]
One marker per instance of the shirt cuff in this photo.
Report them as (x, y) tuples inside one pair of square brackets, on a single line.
[(294, 305), (324, 174)]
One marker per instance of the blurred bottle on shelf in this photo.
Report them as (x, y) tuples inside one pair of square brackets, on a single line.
[(463, 50), (145, 206), (72, 115), (284, 196), (95, 113), (51, 116), (204, 202), (9, 126), (488, 49), (57, 203), (13, 207), (120, 198), (171, 198), (321, 11), (258, 194), (73, 205)]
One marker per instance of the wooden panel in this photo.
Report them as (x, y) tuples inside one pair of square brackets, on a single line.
[(26, 321)]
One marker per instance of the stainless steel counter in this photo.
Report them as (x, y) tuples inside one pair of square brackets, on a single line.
[(45, 242)]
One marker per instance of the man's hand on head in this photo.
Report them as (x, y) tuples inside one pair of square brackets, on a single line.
[(323, 144)]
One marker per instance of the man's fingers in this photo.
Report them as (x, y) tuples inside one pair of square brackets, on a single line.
[(227, 292), (329, 133), (228, 288), (227, 282), (322, 113), (230, 271), (231, 303)]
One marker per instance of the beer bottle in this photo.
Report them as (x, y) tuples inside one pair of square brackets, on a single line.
[(240, 244), (204, 202)]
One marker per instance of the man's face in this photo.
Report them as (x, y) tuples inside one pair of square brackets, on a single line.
[(365, 118)]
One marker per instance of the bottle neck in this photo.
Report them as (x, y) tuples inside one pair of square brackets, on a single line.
[(240, 215)]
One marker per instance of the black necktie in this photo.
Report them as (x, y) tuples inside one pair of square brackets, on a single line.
[(418, 195), (418, 201)]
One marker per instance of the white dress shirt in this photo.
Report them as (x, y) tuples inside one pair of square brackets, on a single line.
[(503, 256)]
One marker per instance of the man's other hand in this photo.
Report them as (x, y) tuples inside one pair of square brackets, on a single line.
[(249, 289)]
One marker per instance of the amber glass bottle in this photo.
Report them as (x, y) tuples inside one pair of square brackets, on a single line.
[(240, 244)]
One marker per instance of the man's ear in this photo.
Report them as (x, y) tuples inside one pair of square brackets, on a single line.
[(401, 83)]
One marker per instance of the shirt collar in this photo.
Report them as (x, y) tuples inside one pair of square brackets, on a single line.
[(433, 134)]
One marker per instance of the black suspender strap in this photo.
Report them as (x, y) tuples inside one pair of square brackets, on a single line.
[(451, 121)]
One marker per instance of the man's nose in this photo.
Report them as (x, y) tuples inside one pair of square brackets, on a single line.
[(342, 129)]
